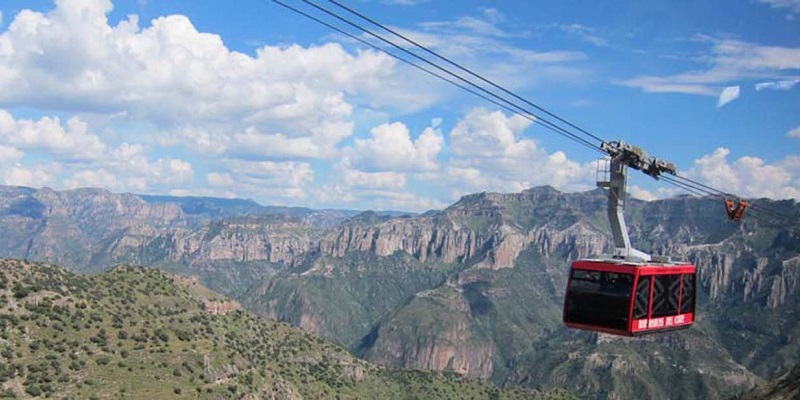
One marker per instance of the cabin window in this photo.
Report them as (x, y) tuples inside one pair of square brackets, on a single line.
[(599, 298), (666, 292), (641, 305), (687, 298)]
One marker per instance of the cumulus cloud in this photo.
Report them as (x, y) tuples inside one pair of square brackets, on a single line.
[(36, 176), (82, 157), (641, 194), (374, 180), (749, 176), (728, 95), (9, 155), (169, 71), (403, 200), (129, 168), (344, 195), (390, 148), (794, 133), (377, 170), (267, 180), (322, 143), (663, 192), (185, 83), (489, 152), (70, 142)]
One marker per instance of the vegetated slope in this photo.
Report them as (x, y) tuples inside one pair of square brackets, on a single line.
[(787, 387), (139, 333)]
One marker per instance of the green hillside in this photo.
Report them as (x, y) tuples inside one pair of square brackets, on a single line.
[(786, 387), (140, 333)]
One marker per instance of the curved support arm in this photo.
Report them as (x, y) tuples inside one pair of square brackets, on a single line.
[(616, 185)]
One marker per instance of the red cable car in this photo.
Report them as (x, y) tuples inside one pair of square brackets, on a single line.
[(629, 292), (626, 298)]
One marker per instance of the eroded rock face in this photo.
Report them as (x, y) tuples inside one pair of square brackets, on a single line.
[(439, 345), (277, 242), (89, 225), (419, 237), (451, 351), (96, 208), (220, 307), (788, 284)]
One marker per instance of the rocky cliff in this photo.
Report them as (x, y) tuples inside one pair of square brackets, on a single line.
[(476, 288)]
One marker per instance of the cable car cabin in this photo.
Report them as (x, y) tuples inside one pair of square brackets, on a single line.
[(630, 299)]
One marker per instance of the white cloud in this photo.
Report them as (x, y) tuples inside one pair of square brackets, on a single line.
[(374, 180), (641, 194), (749, 176), (394, 200), (210, 139), (792, 5), (265, 180), (482, 43), (37, 176), (730, 60), (128, 168), (187, 84), (10, 155), (493, 15), (660, 193), (787, 84), (377, 198), (83, 157), (583, 33), (390, 148), (73, 142), (102, 178), (471, 24), (489, 153), (794, 133), (334, 194), (377, 170), (322, 143), (728, 95), (170, 71)]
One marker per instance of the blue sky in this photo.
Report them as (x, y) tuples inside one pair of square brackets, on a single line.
[(252, 100)]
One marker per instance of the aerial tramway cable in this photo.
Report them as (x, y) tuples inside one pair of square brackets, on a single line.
[(447, 60), (521, 110), (722, 194), (524, 113), (570, 131), (701, 192), (411, 63)]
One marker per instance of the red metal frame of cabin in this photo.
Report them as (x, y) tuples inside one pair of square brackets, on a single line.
[(646, 325)]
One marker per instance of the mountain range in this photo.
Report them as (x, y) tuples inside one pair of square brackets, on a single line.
[(476, 288)]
